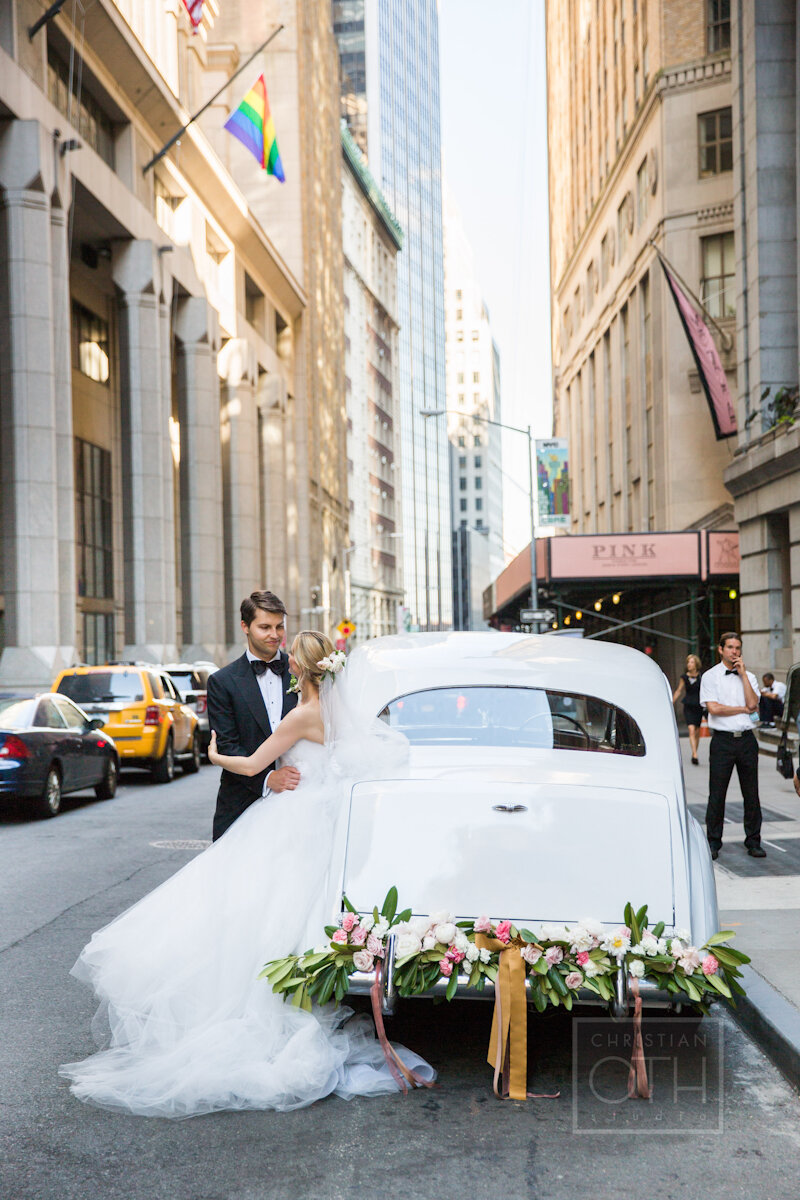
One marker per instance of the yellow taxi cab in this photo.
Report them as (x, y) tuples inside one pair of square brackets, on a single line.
[(141, 711)]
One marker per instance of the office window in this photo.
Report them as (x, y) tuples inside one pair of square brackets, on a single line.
[(462, 484), (605, 261), (461, 399), (98, 638), (718, 25), (459, 314), (462, 441), (93, 514), (462, 461), (479, 523), (460, 377), (87, 116), (479, 504), (459, 335), (458, 293), (478, 483), (624, 222), (476, 376), (476, 441), (642, 191), (715, 140), (475, 335), (478, 462), (462, 504), (90, 334), (476, 397), (717, 286)]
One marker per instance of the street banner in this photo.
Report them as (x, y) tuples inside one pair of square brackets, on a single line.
[(552, 481), (706, 357)]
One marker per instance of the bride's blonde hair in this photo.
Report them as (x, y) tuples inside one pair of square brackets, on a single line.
[(308, 648)]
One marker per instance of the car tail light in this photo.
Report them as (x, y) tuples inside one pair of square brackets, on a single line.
[(14, 747), (153, 715), (202, 704)]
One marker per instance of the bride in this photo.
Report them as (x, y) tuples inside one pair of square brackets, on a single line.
[(192, 1029)]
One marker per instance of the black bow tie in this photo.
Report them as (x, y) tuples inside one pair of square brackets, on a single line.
[(734, 672), (259, 666)]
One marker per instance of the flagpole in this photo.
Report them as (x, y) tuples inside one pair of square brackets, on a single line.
[(208, 103), (727, 340)]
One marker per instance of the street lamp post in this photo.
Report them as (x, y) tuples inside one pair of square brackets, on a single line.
[(442, 412)]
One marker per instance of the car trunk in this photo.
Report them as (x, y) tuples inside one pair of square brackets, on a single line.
[(569, 851)]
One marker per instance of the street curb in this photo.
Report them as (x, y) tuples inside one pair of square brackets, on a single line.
[(772, 1021)]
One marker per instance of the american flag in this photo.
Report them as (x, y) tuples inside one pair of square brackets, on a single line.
[(195, 10)]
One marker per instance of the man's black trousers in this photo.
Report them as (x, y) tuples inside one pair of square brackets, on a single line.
[(728, 751)]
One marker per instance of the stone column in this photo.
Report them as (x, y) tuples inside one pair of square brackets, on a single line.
[(241, 500), (202, 561), (271, 398), (146, 471), (65, 443), (31, 484)]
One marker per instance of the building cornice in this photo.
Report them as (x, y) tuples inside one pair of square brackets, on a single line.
[(366, 181), (773, 456)]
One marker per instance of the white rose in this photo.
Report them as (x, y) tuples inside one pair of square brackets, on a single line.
[(484, 955), (461, 940), (367, 922), (445, 932), (661, 946), (636, 968), (472, 953), (637, 949), (440, 918), (649, 944), (428, 942), (580, 939), (420, 926), (362, 960), (407, 943), (553, 933), (684, 935), (591, 969), (381, 928), (676, 947), (592, 926)]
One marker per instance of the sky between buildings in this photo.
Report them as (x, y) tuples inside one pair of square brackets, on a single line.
[(494, 144)]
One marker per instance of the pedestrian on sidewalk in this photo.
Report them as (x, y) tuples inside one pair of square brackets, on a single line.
[(730, 693), (688, 690), (770, 704)]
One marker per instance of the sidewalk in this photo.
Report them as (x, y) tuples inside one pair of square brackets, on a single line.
[(759, 899)]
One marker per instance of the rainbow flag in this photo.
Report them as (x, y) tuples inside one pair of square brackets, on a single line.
[(252, 124)]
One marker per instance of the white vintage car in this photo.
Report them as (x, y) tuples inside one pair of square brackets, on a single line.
[(545, 785)]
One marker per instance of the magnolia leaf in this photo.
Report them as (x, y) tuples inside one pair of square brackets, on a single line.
[(558, 983), (405, 915), (658, 929), (722, 936), (348, 905), (720, 985), (527, 936), (452, 985), (641, 917), (389, 907)]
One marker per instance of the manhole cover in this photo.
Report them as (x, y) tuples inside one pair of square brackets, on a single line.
[(182, 844)]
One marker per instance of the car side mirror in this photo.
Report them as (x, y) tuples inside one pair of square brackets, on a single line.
[(190, 698), (96, 723)]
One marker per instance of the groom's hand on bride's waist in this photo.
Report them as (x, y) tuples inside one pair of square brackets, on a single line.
[(284, 779)]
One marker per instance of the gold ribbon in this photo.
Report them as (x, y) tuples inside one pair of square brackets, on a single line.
[(508, 1043)]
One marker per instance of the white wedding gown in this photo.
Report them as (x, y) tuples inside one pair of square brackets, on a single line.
[(192, 1028)]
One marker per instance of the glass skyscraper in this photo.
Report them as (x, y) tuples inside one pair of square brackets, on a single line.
[(389, 54)]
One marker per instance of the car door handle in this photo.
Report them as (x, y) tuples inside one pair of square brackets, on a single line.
[(509, 808)]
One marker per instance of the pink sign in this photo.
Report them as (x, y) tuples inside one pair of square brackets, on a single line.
[(706, 357), (625, 555), (723, 553)]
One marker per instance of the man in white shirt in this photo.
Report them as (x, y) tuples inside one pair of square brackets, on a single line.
[(770, 705), (730, 693)]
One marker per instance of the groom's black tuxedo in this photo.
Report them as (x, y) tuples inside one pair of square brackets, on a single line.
[(238, 715)]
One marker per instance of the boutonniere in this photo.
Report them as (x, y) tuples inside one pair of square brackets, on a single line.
[(293, 685)]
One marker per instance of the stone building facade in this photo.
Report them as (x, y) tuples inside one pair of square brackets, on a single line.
[(160, 453), (639, 103), (371, 239), (764, 476)]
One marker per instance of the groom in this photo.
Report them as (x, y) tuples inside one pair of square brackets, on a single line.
[(246, 702)]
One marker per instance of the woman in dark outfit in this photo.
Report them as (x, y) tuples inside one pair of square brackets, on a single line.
[(688, 690)]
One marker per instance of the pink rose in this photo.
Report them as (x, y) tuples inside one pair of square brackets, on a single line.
[(531, 954), (582, 958), (340, 937), (503, 932), (362, 960), (574, 979), (374, 944), (454, 955), (358, 936), (482, 925), (710, 965), (348, 921), (445, 967), (553, 955)]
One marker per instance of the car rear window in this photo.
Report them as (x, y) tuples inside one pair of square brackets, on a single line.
[(99, 686), (187, 681), (15, 714), (512, 716)]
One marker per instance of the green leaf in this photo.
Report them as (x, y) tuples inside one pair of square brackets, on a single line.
[(538, 999), (347, 904), (527, 936), (558, 983), (718, 984), (658, 930), (568, 1002), (405, 915), (641, 918), (390, 904), (282, 971), (722, 936), (452, 985)]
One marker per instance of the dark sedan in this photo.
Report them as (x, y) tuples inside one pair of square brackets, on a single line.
[(48, 747)]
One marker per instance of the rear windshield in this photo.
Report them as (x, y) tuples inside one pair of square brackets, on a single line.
[(102, 686), (187, 681), (510, 716), (15, 714)]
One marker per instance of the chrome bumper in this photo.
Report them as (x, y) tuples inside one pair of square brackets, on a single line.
[(620, 1007)]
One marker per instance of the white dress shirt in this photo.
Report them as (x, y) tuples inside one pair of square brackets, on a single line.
[(729, 690), (271, 687)]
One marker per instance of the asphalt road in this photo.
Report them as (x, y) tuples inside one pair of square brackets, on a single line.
[(723, 1122)]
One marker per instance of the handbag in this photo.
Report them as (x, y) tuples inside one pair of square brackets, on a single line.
[(783, 759)]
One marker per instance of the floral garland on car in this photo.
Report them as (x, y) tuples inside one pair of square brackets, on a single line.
[(557, 961)]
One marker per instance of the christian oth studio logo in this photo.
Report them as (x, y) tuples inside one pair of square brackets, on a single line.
[(683, 1058)]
